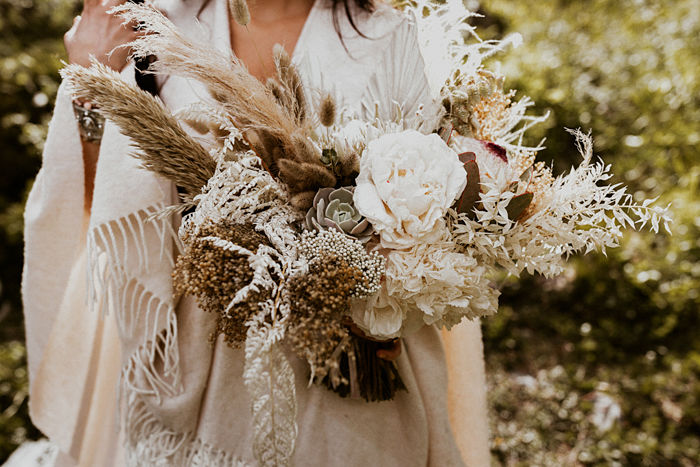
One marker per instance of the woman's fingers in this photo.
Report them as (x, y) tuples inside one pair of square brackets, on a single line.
[(100, 34), (392, 352)]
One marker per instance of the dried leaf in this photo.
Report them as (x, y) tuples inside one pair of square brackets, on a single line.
[(518, 204), (446, 133), (471, 192), (467, 157)]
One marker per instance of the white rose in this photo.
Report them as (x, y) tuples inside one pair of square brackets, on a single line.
[(407, 183), (383, 316), (379, 316)]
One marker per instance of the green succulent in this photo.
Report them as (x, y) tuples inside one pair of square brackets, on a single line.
[(334, 208)]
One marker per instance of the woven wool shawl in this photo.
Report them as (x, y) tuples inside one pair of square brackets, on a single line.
[(75, 356)]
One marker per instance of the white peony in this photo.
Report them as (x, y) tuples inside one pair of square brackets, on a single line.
[(407, 183)]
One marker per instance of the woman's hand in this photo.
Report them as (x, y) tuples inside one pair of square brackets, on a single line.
[(393, 347), (99, 34)]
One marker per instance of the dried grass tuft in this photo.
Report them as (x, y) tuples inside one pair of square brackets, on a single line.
[(239, 11), (327, 110), (272, 118)]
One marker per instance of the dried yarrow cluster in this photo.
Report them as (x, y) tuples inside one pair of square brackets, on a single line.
[(319, 301), (214, 275)]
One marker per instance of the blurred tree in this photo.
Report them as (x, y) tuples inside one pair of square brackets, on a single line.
[(626, 322), (30, 53)]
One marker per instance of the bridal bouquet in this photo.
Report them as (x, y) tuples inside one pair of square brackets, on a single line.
[(331, 233)]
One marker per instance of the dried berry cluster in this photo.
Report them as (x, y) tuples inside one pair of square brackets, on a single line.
[(213, 275), (319, 301)]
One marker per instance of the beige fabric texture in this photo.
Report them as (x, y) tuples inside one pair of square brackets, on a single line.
[(73, 350)]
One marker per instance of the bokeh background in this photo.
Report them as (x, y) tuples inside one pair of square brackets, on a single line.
[(600, 366)]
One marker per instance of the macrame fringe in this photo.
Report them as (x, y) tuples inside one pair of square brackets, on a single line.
[(114, 245), (152, 444), (119, 253)]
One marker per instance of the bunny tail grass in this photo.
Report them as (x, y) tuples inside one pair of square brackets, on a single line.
[(165, 147)]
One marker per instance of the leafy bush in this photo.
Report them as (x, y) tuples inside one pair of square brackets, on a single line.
[(30, 54)]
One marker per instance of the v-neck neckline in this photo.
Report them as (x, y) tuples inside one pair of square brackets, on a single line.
[(227, 29)]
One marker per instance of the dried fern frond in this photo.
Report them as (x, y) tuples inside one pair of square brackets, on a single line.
[(166, 148)]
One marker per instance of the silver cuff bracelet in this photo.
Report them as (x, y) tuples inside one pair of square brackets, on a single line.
[(90, 123)]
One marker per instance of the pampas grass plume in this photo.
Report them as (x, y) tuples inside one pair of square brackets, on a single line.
[(166, 148), (281, 57), (239, 11)]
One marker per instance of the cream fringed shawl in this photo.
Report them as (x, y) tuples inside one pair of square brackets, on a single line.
[(129, 261)]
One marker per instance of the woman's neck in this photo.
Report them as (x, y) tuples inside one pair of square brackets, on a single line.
[(272, 22), (271, 11)]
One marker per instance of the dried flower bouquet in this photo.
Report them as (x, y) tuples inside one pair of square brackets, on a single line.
[(308, 218)]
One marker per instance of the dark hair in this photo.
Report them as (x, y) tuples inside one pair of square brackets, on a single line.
[(364, 5)]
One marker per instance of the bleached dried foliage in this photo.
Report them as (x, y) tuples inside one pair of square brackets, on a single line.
[(209, 119), (165, 147), (452, 49), (455, 67), (578, 213), (243, 192)]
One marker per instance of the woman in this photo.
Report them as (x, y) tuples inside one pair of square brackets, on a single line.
[(183, 401)]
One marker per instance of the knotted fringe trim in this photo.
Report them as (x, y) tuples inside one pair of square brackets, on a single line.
[(150, 443), (119, 252), (154, 369), (130, 243)]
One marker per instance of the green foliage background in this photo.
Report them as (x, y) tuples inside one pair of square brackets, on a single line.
[(619, 331), (611, 332)]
